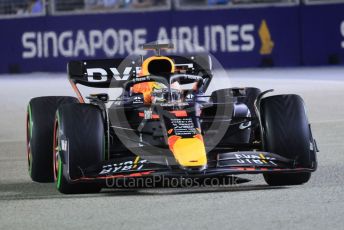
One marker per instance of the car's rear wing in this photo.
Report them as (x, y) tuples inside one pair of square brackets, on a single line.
[(113, 73), (103, 73)]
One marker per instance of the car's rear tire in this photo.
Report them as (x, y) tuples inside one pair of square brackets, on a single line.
[(39, 131), (286, 132), (79, 143)]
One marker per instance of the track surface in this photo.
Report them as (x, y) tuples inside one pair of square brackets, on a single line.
[(318, 204)]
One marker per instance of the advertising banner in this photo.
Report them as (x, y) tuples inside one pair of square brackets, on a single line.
[(322, 34), (249, 37)]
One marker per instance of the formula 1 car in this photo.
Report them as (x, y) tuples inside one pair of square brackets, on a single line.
[(164, 124)]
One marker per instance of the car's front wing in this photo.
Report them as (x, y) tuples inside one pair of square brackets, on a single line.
[(248, 162)]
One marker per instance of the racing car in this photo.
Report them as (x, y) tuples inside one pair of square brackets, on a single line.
[(164, 123)]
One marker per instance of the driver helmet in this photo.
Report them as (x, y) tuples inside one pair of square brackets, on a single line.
[(159, 66)]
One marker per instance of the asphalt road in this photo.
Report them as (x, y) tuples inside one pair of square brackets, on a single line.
[(318, 204)]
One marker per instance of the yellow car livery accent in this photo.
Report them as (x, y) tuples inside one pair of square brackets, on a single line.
[(189, 152), (145, 64), (135, 162), (263, 158)]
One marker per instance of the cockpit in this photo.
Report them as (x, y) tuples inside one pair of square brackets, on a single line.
[(159, 81)]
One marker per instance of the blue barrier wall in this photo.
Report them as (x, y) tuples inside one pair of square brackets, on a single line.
[(252, 37), (322, 34)]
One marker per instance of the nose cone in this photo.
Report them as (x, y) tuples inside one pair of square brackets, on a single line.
[(189, 152)]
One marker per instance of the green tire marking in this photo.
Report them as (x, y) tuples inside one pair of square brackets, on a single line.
[(30, 136), (30, 120), (59, 176), (59, 170)]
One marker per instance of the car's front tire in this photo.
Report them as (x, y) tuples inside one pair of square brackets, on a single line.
[(286, 132), (79, 142)]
